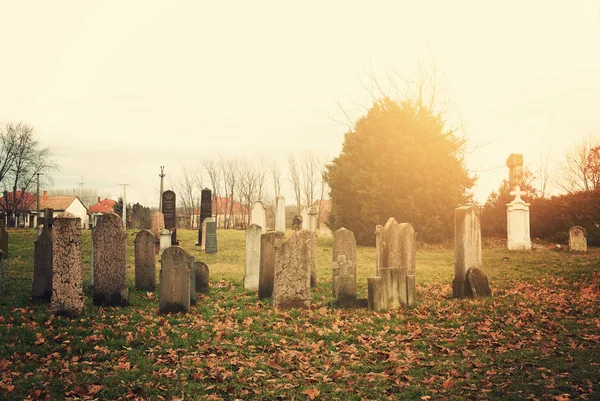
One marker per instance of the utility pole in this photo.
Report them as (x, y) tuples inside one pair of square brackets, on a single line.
[(37, 201), (162, 177), (81, 185), (124, 205)]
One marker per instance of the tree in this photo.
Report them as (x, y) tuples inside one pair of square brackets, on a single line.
[(188, 189), (398, 161), (118, 209), (141, 216), (578, 169)]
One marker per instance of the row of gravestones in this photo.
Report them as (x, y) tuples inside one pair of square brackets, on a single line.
[(308, 216), (58, 267)]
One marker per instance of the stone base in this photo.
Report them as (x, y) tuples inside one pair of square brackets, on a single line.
[(116, 299), (171, 307), (411, 290), (375, 291), (292, 304), (350, 304), (519, 246), (345, 287)]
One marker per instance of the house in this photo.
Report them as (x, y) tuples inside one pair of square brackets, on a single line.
[(100, 208), (25, 207), (221, 207), (324, 208)]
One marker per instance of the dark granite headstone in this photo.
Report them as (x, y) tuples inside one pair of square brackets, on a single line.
[(169, 209), (205, 211), (211, 237), (478, 282)]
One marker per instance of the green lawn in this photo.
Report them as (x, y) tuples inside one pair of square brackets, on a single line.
[(538, 337)]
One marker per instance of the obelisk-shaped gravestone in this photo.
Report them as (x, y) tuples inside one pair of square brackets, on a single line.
[(67, 271), (205, 211), (145, 262), (110, 261), (467, 248)]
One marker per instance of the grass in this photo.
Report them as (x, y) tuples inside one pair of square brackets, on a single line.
[(536, 338)]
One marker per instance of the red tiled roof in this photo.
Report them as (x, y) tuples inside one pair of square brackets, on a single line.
[(225, 204), (26, 201), (105, 206), (56, 202)]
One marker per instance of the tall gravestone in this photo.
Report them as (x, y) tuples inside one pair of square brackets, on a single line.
[(110, 261), (577, 239), (517, 220), (310, 239), (269, 243), (145, 262), (467, 248), (313, 217), (253, 234), (67, 271), (42, 262), (259, 216), (291, 286), (174, 294), (344, 244), (210, 236), (202, 278), (205, 211), (304, 215), (169, 209), (4, 241), (280, 214)]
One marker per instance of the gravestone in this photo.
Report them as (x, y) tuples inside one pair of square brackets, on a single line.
[(280, 214), (165, 240), (205, 211), (145, 262), (259, 216), (67, 271), (203, 245), (467, 248), (4, 241), (386, 290), (192, 280), (311, 240), (478, 282), (269, 243), (577, 239), (313, 216), (2, 279), (169, 209), (253, 234), (202, 278), (304, 215), (110, 261), (517, 221), (42, 260), (515, 170), (344, 244), (291, 285), (297, 223), (344, 279), (157, 225), (210, 236), (174, 293)]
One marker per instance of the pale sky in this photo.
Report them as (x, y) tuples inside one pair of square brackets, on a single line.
[(117, 89)]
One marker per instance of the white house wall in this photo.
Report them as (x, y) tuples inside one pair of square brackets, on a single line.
[(77, 209)]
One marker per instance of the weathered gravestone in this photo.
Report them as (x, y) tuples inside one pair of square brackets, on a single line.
[(291, 286), (259, 216), (2, 279), (210, 236), (478, 282), (67, 271), (192, 281), (280, 214), (169, 209), (344, 244), (4, 241), (577, 239), (205, 211), (206, 220), (313, 217), (202, 278), (110, 261), (269, 243), (311, 240), (158, 224), (304, 215), (467, 248), (253, 234), (165, 240), (344, 280), (396, 249), (42, 261), (174, 294), (145, 262)]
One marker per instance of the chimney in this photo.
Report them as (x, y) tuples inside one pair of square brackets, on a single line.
[(98, 199)]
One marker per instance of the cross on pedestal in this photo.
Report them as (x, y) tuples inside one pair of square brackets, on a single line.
[(517, 194)]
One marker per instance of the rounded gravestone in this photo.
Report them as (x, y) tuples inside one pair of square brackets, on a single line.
[(202, 277), (145, 262), (577, 239), (174, 294)]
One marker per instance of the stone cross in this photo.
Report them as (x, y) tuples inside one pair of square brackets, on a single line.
[(517, 193)]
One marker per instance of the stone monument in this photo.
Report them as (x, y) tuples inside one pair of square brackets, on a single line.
[(467, 248), (210, 236), (253, 234), (259, 216), (145, 262), (174, 294), (291, 286), (577, 239), (205, 212), (280, 214), (517, 221), (269, 243)]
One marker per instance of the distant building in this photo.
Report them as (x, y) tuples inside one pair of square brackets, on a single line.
[(324, 208), (221, 208), (100, 208)]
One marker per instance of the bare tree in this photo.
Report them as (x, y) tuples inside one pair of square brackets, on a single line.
[(543, 173), (276, 175), (575, 173), (247, 188), (294, 176), (261, 179), (229, 171), (188, 192), (214, 174)]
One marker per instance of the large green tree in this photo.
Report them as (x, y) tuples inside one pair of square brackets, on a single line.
[(399, 161)]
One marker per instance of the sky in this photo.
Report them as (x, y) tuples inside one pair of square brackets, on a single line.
[(118, 89)]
